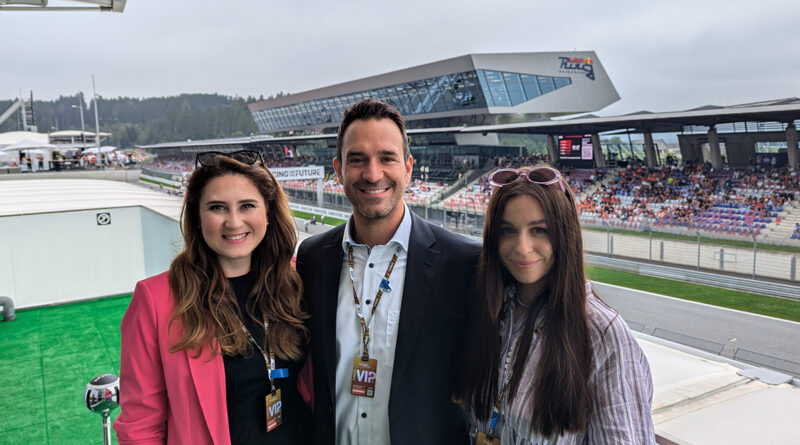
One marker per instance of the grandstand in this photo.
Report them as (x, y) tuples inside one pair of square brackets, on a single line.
[(760, 202)]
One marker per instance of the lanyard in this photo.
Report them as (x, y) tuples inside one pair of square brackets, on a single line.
[(269, 358), (384, 286), (507, 371)]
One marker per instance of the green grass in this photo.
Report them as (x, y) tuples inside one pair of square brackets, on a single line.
[(743, 301), (48, 355), (329, 220), (151, 181), (704, 240)]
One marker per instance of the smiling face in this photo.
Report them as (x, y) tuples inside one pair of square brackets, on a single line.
[(372, 169), (233, 219), (524, 244)]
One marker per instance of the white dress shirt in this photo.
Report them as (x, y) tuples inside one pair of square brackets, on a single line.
[(365, 420)]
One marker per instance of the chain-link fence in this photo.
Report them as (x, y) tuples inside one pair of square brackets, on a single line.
[(758, 261), (745, 258)]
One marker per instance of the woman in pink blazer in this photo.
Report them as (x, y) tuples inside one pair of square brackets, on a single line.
[(212, 349)]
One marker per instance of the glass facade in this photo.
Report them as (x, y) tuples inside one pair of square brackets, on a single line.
[(450, 92)]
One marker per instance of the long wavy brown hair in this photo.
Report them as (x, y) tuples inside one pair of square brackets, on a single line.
[(205, 304), (561, 395)]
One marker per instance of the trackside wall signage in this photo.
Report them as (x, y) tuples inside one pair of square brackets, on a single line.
[(298, 173)]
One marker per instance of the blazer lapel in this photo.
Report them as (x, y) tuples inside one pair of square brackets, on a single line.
[(329, 284), (208, 376), (420, 271)]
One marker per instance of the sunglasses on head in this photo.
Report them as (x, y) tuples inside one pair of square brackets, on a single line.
[(249, 157), (538, 175)]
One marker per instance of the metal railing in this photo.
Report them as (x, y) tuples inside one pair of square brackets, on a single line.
[(697, 277)]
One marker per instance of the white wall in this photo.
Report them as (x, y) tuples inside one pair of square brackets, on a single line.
[(161, 241), (57, 257)]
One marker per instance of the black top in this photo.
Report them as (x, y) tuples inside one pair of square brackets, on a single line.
[(247, 386)]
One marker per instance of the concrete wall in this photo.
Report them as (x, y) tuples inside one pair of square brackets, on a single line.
[(109, 175), (739, 147), (161, 241), (56, 257), (50, 258)]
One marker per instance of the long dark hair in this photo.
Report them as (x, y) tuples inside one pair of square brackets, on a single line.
[(560, 399), (204, 301)]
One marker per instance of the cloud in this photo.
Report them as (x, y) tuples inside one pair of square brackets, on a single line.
[(661, 56)]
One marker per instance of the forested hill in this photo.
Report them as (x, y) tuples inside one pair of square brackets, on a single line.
[(134, 121)]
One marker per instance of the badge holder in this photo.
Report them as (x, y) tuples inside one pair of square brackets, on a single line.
[(365, 373), (274, 409), (489, 438), (273, 399)]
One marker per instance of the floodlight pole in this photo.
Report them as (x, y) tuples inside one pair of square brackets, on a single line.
[(83, 127), (96, 125)]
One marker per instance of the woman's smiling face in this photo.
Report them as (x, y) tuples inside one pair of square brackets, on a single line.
[(524, 244), (233, 219)]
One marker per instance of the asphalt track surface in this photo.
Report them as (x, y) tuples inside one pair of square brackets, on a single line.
[(750, 338)]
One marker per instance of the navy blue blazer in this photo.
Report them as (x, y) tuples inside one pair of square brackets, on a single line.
[(437, 294)]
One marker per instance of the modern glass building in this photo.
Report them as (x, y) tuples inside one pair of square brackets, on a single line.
[(468, 90)]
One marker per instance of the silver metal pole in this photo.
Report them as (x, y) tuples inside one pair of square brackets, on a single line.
[(698, 250), (83, 126), (24, 113), (755, 246), (107, 429), (96, 125)]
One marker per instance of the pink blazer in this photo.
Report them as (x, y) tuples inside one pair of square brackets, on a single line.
[(166, 397), (172, 397)]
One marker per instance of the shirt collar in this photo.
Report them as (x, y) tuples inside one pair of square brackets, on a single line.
[(401, 235)]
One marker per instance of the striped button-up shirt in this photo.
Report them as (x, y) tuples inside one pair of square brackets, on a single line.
[(621, 385)]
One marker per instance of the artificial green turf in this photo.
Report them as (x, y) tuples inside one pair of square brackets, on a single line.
[(759, 304), (48, 356)]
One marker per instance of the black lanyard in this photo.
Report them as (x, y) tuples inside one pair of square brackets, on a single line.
[(269, 356)]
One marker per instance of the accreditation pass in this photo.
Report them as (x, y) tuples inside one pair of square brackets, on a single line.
[(364, 374)]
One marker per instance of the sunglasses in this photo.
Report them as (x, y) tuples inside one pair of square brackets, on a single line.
[(538, 175), (249, 157)]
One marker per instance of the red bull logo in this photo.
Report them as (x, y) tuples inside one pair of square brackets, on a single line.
[(583, 65)]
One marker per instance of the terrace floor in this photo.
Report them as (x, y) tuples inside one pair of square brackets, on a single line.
[(47, 356)]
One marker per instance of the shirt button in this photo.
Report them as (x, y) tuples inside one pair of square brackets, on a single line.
[(363, 415), (368, 301), (371, 265)]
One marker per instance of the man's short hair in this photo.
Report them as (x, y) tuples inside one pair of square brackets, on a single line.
[(372, 109)]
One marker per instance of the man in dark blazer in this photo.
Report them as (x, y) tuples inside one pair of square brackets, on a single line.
[(374, 165)]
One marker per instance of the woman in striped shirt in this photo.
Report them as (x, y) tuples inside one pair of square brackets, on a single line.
[(548, 362)]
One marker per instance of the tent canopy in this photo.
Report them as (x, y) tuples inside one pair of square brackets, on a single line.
[(103, 149), (34, 151), (28, 144)]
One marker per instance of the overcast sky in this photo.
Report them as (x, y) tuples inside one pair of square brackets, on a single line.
[(660, 55)]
